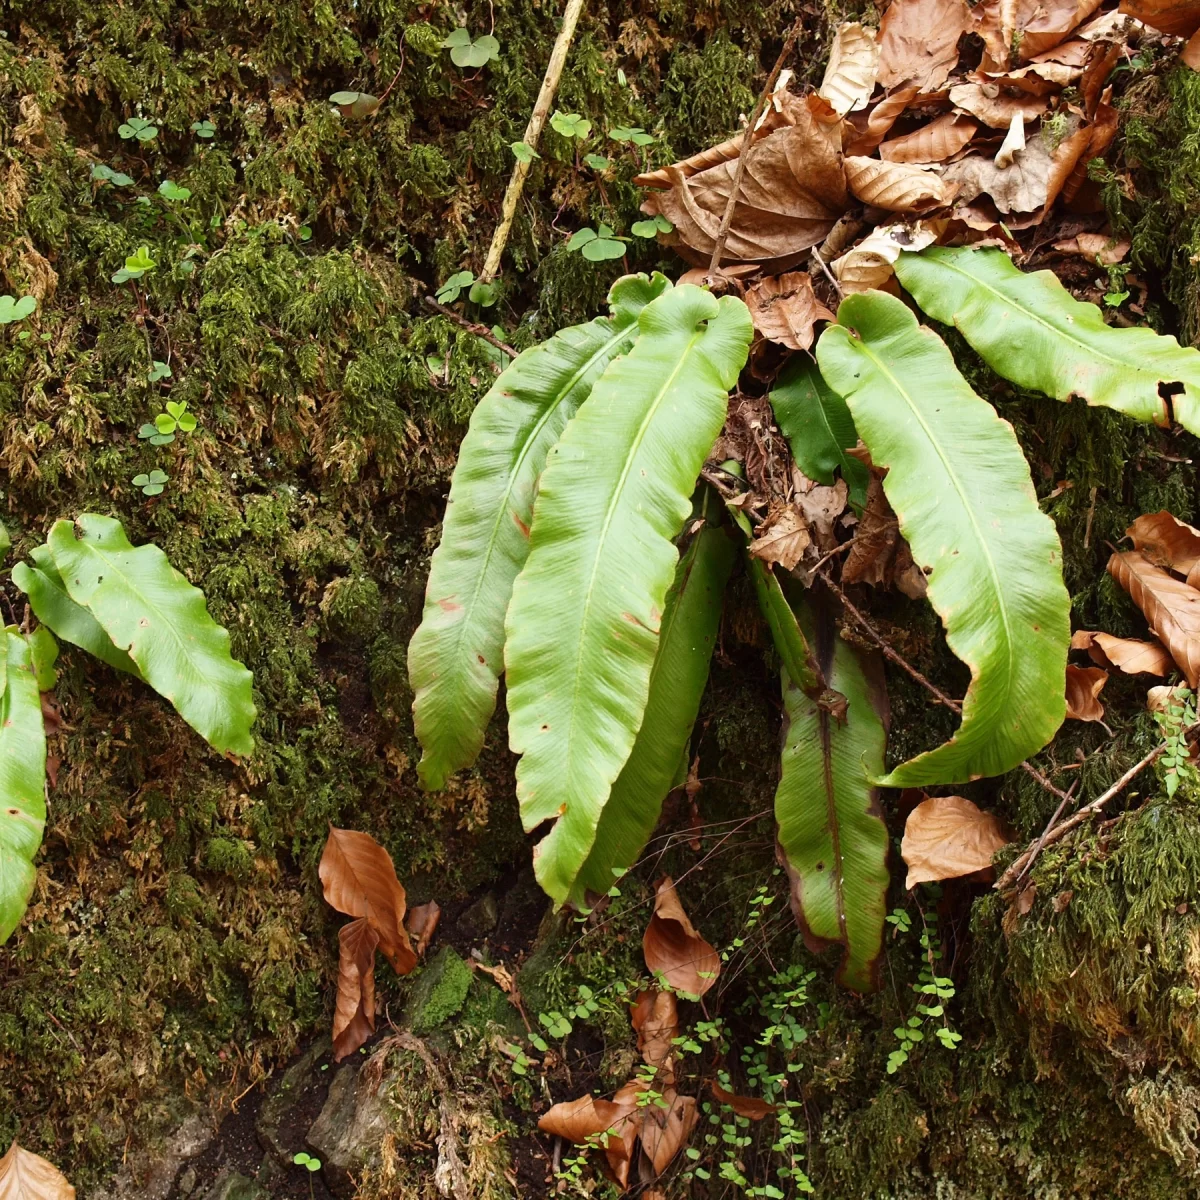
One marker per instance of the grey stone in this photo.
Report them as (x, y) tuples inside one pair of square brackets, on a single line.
[(481, 918), (298, 1081), (348, 1135), (187, 1182), (153, 1176), (229, 1185)]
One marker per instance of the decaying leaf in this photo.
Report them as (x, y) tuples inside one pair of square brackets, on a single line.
[(882, 117), (1171, 608), (744, 1106), (1168, 542), (354, 1016), (1023, 186), (1180, 18), (1123, 654), (918, 41), (898, 187), (850, 73), (821, 505), (1164, 697), (1013, 144), (673, 948), (656, 1022), (880, 556), (994, 107), (785, 310), (421, 923), (870, 264), (782, 538), (589, 1117), (1084, 685), (1098, 247), (1016, 30), (936, 142), (27, 1176), (665, 1131), (948, 836)]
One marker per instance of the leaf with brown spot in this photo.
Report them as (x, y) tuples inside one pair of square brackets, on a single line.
[(1168, 542), (785, 310), (1180, 18), (948, 836), (898, 187), (1084, 685), (27, 1176), (918, 41), (421, 923), (665, 1131), (656, 1022), (996, 110), (354, 1015), (871, 263), (1170, 606), (673, 948), (1129, 655), (745, 1106), (850, 72), (936, 142), (782, 538), (360, 881)]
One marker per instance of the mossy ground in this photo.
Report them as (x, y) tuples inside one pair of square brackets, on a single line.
[(177, 943)]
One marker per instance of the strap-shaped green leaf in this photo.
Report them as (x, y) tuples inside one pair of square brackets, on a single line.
[(818, 427), (832, 838), (456, 656), (1030, 329), (55, 609), (962, 492), (148, 609), (585, 613), (22, 782), (685, 646)]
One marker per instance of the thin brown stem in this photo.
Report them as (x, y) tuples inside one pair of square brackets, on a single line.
[(471, 326), (837, 287)]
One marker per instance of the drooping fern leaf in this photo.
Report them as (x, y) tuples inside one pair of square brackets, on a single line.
[(456, 656), (962, 492), (1030, 329), (583, 624)]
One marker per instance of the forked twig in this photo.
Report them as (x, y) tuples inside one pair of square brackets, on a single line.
[(471, 326)]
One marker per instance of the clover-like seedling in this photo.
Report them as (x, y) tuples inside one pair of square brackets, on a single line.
[(452, 288), (12, 309), (152, 484), (570, 125), (136, 265), (354, 104), (138, 128), (307, 1160), (631, 133), (160, 370), (170, 190), (597, 245), (466, 51), (523, 152), (651, 228), (483, 294), (176, 418), (597, 162), (204, 129), (105, 174)]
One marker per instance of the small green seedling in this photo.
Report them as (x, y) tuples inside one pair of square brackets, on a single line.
[(570, 125), (621, 78), (597, 245), (452, 288), (483, 294), (597, 162), (169, 190), (138, 128), (354, 105), (204, 129), (103, 174), (160, 370), (523, 152), (631, 133), (152, 484), (307, 1160), (651, 228), (12, 310), (466, 51), (136, 265), (163, 430)]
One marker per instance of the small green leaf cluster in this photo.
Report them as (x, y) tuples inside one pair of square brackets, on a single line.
[(597, 245), (466, 51), (152, 484), (570, 125), (483, 294), (307, 1161), (139, 129), (105, 174), (633, 134), (13, 310), (354, 105), (174, 418), (136, 265), (204, 129), (1175, 765), (936, 990)]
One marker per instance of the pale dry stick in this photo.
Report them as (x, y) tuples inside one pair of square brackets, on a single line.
[(471, 327), (837, 287), (747, 139), (1037, 848), (533, 131)]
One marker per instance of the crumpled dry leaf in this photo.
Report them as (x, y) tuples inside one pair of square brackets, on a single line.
[(674, 950), (870, 264), (1180, 18), (880, 556), (1019, 29), (1129, 655), (822, 504), (1097, 247), (745, 1106), (882, 117), (360, 881), (850, 72), (936, 142), (898, 187), (1170, 606), (354, 1015), (588, 1117), (793, 191), (665, 1131), (656, 1022), (1084, 685), (782, 538), (421, 923), (1163, 697), (918, 41), (27, 1176), (948, 836), (994, 107), (1013, 144), (785, 310), (1168, 542)]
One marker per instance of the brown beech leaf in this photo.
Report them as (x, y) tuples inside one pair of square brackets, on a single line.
[(1013, 144), (870, 264), (1168, 542), (1021, 187), (656, 1022), (665, 1131), (744, 1106), (674, 950), (27, 1176), (1190, 54), (850, 73), (1031, 26), (898, 187), (588, 1117), (947, 836), (918, 41), (1129, 655), (421, 923), (882, 117), (995, 108), (782, 538), (354, 1016), (879, 555), (1180, 18), (1084, 685), (1170, 606), (360, 881), (784, 309), (821, 505), (1097, 247), (792, 193), (936, 142)]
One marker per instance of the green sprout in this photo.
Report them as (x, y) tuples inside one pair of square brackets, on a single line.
[(631, 133), (597, 162), (651, 228), (103, 174), (169, 190), (160, 370), (204, 129), (12, 309), (570, 125), (523, 152), (452, 288), (166, 424), (152, 484), (354, 105), (138, 128), (466, 51), (136, 265), (596, 245)]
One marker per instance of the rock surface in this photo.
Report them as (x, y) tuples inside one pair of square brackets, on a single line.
[(350, 1130)]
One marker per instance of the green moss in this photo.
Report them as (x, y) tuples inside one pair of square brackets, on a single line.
[(439, 992)]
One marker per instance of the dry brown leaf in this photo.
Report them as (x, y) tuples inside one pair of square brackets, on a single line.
[(1103, 58), (883, 116), (421, 923), (1190, 54), (948, 836), (656, 1022), (27, 1176), (784, 309), (1098, 247), (880, 556), (782, 538), (850, 73), (792, 193), (360, 881), (1022, 187), (941, 139), (1180, 18), (665, 1131), (1113, 25), (1084, 685), (1129, 655), (674, 950), (897, 187), (1164, 697), (1168, 542), (1021, 29), (821, 505), (994, 107), (745, 1106), (918, 41), (589, 1117), (354, 1016), (870, 263), (1170, 606), (1013, 144)]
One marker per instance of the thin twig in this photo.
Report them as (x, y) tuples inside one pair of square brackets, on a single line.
[(471, 327), (1050, 825), (837, 287), (747, 140)]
